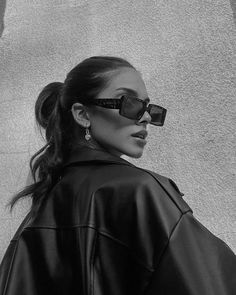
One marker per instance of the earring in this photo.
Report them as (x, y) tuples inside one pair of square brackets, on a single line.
[(87, 135)]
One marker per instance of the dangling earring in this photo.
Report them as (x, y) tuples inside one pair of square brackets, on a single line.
[(87, 135)]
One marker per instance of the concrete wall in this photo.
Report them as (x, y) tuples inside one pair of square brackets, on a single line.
[(186, 52)]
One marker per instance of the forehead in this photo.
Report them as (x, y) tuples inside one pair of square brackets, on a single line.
[(126, 78)]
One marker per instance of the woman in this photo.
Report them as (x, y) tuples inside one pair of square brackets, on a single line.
[(98, 224)]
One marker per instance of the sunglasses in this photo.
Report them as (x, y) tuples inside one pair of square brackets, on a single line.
[(133, 108)]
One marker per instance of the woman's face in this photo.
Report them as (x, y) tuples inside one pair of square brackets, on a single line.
[(111, 130)]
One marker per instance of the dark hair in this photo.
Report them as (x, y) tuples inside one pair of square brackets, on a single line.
[(52, 112)]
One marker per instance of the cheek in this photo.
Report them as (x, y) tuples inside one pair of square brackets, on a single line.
[(110, 123)]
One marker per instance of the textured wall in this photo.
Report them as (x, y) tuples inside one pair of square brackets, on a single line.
[(186, 51)]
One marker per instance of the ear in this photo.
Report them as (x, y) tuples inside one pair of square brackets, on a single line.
[(80, 115)]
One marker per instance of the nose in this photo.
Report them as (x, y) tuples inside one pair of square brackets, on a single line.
[(145, 117)]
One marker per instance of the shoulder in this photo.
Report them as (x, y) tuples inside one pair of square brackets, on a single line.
[(136, 184), (109, 175), (138, 208)]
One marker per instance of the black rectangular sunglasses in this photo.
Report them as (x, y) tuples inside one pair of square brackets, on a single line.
[(133, 108)]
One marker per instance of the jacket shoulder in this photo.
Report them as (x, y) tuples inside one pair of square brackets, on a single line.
[(172, 190), (132, 206), (135, 178)]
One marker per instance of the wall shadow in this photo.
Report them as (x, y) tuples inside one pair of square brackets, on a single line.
[(233, 6)]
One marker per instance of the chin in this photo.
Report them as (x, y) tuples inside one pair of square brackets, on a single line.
[(135, 154), (127, 151)]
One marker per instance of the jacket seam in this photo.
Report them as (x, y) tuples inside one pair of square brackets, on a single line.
[(100, 232), (92, 263), (10, 268), (168, 241), (107, 235), (60, 227), (166, 246), (15, 241)]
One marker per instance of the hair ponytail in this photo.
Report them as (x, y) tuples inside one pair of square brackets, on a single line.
[(45, 165), (52, 111)]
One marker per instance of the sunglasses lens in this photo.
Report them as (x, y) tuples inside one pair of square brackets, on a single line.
[(134, 109), (131, 108), (158, 115)]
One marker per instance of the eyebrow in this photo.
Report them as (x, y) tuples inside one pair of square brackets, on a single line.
[(132, 92)]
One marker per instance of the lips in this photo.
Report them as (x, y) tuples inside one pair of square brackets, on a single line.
[(141, 134)]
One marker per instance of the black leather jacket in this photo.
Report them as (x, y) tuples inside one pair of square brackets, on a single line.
[(111, 228)]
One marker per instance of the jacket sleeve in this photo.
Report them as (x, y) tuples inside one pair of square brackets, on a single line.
[(151, 218), (194, 262), (139, 213), (134, 217)]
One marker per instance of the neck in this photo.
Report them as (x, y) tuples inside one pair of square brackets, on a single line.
[(92, 143)]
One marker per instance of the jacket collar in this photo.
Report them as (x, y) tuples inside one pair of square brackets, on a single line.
[(87, 154)]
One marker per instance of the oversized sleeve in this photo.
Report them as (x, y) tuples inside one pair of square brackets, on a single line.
[(195, 262), (148, 235), (134, 217)]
